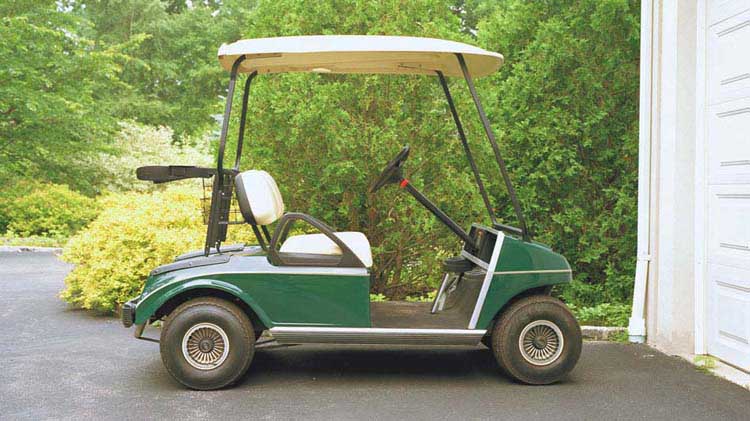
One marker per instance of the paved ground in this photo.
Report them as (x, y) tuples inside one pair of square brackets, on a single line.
[(61, 363)]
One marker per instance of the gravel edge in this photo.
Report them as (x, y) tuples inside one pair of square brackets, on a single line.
[(33, 249)]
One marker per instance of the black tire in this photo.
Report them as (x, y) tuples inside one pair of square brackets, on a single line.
[(231, 360), (550, 364)]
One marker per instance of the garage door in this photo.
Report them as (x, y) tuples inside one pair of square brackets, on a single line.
[(728, 181)]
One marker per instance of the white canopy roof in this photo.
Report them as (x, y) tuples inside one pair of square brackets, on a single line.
[(358, 54)]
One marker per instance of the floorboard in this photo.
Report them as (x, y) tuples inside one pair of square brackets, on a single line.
[(408, 315)]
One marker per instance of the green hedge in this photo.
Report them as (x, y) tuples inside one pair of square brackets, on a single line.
[(604, 314)]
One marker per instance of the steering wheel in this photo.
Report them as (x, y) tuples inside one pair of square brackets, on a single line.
[(392, 171)]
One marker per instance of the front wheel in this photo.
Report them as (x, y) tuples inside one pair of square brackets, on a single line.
[(207, 343), (537, 340)]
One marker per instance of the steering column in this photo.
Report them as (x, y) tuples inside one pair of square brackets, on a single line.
[(394, 174)]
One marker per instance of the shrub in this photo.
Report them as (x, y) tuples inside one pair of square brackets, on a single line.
[(137, 145), (52, 210), (326, 137), (428, 298), (12, 190), (605, 314), (376, 298), (566, 103), (134, 233)]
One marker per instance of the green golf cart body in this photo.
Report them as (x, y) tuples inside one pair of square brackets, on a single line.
[(315, 288), (339, 298)]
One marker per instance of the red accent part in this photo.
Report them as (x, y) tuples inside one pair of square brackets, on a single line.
[(404, 182)]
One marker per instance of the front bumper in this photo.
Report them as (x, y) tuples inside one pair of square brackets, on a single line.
[(127, 313)]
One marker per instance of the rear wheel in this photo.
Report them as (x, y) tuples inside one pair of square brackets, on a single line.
[(207, 343), (537, 340)]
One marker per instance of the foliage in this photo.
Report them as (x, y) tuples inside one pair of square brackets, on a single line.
[(620, 336), (134, 233), (375, 298), (48, 210), (565, 110), (335, 133), (427, 298), (174, 75), (53, 91), (137, 145), (8, 194), (704, 363), (605, 314)]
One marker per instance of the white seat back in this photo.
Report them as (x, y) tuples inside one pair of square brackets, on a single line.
[(259, 197)]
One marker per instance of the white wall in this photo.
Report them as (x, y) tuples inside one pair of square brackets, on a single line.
[(671, 279)]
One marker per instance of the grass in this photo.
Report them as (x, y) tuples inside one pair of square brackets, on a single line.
[(621, 337), (704, 363), (429, 297), (374, 298), (605, 314)]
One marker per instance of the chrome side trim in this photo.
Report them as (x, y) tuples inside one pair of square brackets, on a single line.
[(520, 272), (309, 270), (487, 280), (387, 336), (485, 228), (477, 261)]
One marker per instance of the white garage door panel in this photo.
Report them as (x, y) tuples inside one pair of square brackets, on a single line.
[(728, 58), (729, 233), (730, 331), (719, 10), (729, 141), (727, 119)]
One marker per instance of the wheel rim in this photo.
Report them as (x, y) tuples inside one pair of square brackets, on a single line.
[(205, 346), (541, 342)]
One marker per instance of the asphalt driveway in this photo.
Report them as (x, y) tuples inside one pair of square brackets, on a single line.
[(56, 362)]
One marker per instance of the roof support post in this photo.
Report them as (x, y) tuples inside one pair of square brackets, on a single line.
[(465, 144), (238, 156), (227, 114), (243, 118), (215, 233), (495, 148)]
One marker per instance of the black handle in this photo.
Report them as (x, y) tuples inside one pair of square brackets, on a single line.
[(166, 173)]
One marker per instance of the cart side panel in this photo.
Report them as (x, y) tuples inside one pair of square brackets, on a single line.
[(149, 303), (521, 266), (308, 300), (279, 296)]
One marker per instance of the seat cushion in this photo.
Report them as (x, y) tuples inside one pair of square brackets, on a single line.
[(320, 244), (259, 197)]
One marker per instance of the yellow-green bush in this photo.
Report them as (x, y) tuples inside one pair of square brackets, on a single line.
[(49, 210), (134, 233)]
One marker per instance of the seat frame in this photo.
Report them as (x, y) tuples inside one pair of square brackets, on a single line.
[(347, 258)]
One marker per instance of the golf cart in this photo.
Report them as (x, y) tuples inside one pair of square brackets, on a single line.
[(314, 288)]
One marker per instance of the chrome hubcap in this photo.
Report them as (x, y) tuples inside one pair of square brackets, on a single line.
[(205, 346), (541, 342)]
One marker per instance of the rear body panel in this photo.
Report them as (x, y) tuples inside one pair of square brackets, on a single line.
[(280, 296)]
